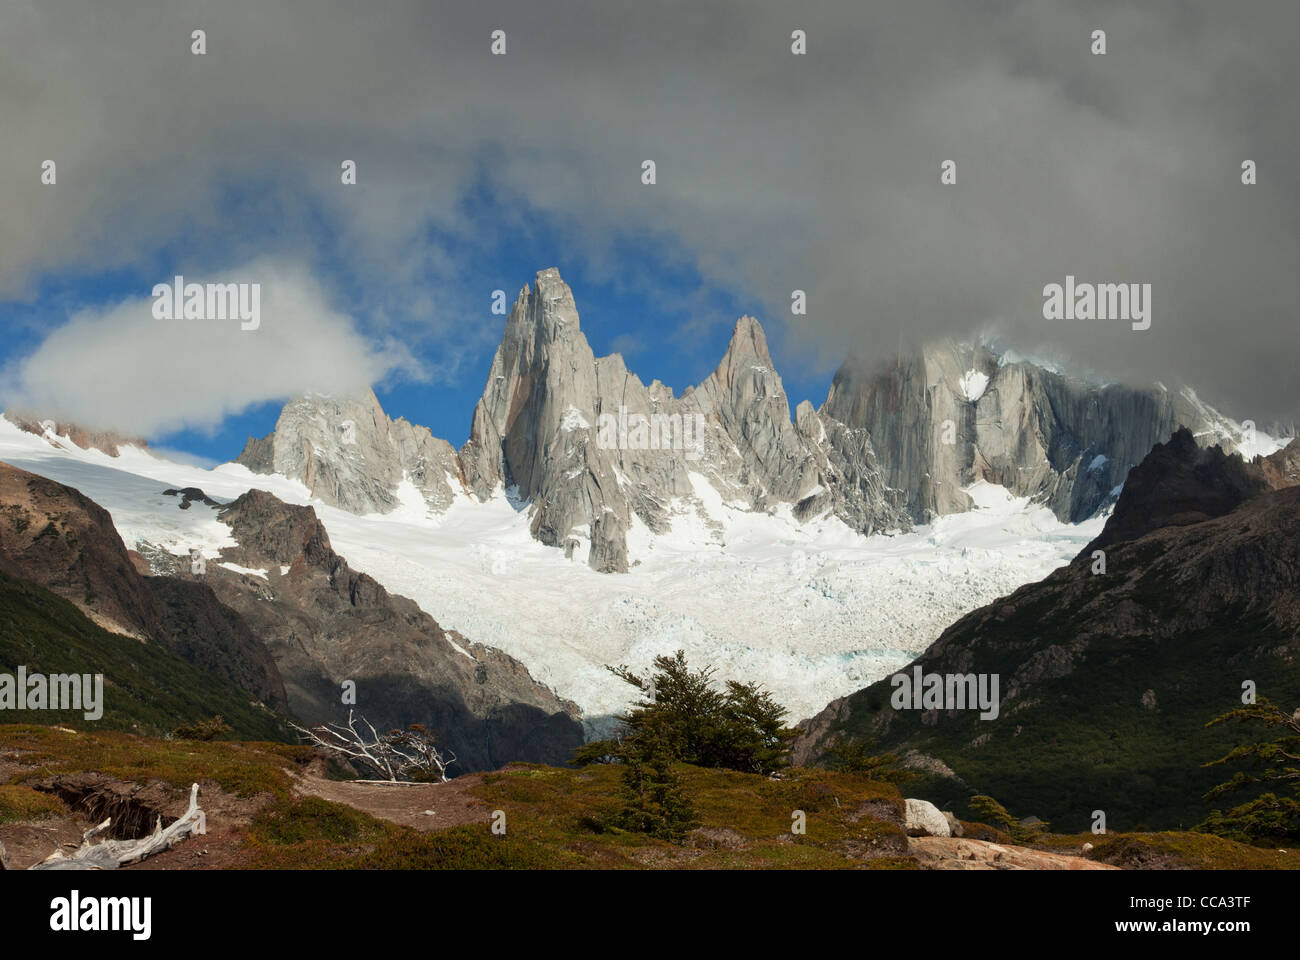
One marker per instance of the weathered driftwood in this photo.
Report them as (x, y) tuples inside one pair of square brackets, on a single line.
[(111, 854)]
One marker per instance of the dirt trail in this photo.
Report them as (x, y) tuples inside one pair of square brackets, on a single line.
[(423, 806), (959, 853)]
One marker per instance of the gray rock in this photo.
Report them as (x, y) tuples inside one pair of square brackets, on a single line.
[(938, 426), (590, 446), (955, 828), (348, 453), (922, 818)]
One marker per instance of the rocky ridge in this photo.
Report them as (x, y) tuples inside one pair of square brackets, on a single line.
[(593, 450), (326, 624), (57, 537), (1110, 668)]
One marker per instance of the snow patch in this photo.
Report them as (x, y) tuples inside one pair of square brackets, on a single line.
[(973, 384), (249, 571), (459, 649), (573, 419)]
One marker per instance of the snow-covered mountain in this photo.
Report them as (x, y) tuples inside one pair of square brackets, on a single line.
[(591, 449), (812, 609), (812, 554)]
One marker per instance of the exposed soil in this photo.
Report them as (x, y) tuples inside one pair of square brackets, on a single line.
[(422, 806), (135, 810), (961, 853)]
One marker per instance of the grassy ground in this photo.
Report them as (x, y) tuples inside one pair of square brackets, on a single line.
[(242, 769), (555, 818)]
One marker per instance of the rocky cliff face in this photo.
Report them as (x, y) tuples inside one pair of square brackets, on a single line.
[(593, 450), (591, 446), (587, 444), (949, 414), (326, 624), (351, 455)]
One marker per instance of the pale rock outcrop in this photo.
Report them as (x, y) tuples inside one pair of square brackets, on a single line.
[(348, 453), (939, 853), (922, 818)]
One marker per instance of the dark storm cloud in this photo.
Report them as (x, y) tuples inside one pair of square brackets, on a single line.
[(775, 172)]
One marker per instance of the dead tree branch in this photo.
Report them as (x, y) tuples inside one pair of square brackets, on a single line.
[(396, 756)]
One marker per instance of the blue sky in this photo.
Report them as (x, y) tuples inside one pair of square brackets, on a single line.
[(665, 318)]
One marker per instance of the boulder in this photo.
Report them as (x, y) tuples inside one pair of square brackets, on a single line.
[(955, 829), (922, 818)]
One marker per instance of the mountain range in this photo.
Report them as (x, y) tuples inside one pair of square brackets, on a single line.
[(295, 633), (812, 552), (894, 444)]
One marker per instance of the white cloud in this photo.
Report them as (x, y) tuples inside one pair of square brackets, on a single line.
[(119, 367)]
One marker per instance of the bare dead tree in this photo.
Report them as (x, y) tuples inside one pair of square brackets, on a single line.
[(395, 757)]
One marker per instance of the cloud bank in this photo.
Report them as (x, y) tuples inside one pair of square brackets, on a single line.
[(775, 172)]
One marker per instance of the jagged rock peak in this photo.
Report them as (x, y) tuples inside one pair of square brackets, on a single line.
[(348, 453), (748, 341), (105, 441), (899, 437), (1180, 483), (548, 306)]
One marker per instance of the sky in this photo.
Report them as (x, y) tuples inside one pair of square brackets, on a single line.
[(775, 172)]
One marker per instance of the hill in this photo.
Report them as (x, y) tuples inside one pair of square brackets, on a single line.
[(146, 687)]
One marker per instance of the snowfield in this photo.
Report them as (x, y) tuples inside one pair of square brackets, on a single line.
[(813, 611)]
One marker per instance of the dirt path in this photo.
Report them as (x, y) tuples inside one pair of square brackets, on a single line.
[(423, 806), (959, 853)]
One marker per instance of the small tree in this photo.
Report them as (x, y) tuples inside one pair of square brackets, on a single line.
[(653, 800), (682, 705), (852, 755), (683, 718), (741, 728), (997, 815), (754, 736), (1268, 817)]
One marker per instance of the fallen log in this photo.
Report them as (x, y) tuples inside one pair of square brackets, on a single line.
[(111, 854)]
